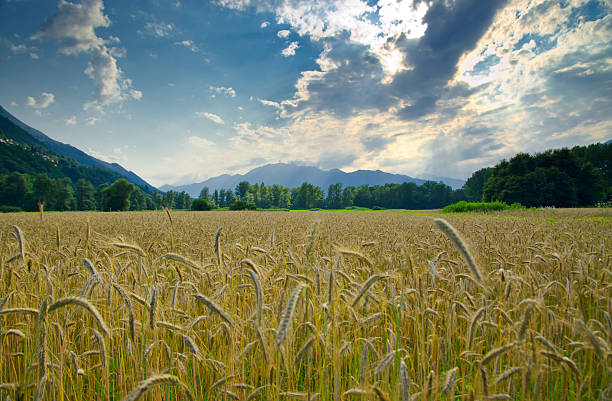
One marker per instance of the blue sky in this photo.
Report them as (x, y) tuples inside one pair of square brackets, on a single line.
[(182, 90)]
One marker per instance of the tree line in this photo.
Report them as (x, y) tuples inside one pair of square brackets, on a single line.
[(580, 176), (408, 195), (21, 191)]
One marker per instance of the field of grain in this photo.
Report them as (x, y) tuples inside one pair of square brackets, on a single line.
[(298, 305)]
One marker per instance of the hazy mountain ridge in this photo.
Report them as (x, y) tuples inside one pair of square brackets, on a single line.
[(291, 175), (32, 136)]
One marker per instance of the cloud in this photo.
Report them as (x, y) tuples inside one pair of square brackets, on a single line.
[(376, 143), (188, 44), (21, 48), (290, 50), (212, 117), (234, 4), (270, 103), (434, 88), (91, 120), (159, 29), (200, 142), (70, 121), (43, 101), (74, 24), (283, 34), (264, 25), (73, 27), (110, 86), (221, 90)]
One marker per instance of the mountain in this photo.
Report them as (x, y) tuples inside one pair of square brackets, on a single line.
[(22, 133), (292, 176)]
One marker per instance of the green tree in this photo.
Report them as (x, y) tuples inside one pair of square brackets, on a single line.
[(85, 195), (64, 195), (474, 186), (242, 189), (138, 200), (116, 196), (205, 193), (202, 204), (307, 196), (334, 196), (14, 189)]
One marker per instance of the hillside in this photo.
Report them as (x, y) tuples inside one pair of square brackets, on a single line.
[(291, 175), (22, 133)]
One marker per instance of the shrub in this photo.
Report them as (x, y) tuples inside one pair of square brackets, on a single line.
[(10, 209), (242, 205), (202, 204), (464, 206)]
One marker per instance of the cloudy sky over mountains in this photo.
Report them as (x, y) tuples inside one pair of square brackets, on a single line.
[(181, 90)]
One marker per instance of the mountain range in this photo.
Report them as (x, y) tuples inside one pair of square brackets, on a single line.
[(22, 133), (292, 175)]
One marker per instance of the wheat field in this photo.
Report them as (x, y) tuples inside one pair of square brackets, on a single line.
[(310, 306)]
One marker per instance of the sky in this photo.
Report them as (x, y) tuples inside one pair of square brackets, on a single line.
[(182, 90)]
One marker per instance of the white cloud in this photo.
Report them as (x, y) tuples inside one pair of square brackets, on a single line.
[(159, 29), (221, 90), (74, 24), (188, 44), (212, 117), (70, 121), (283, 34), (43, 101), (73, 27), (110, 85), (91, 120), (234, 4), (200, 142), (270, 103), (264, 25), (290, 50)]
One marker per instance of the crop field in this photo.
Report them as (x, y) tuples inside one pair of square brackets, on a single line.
[(383, 305)]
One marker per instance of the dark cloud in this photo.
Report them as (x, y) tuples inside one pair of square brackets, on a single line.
[(356, 84), (351, 87), (330, 160), (376, 143), (452, 29)]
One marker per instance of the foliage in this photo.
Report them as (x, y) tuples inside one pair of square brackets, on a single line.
[(116, 196), (242, 205), (464, 206), (474, 186), (202, 204), (10, 209), (553, 178)]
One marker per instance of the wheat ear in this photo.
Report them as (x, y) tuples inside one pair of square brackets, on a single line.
[(85, 304), (452, 234), (153, 381), (288, 315), (213, 307)]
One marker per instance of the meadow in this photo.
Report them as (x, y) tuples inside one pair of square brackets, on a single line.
[(383, 305)]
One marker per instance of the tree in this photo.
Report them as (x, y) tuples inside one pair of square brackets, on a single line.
[(307, 196), (474, 186), (138, 200), (242, 205), (43, 190), (242, 189), (116, 196), (64, 195), (202, 204), (334, 196), (14, 190), (205, 193), (85, 195)]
